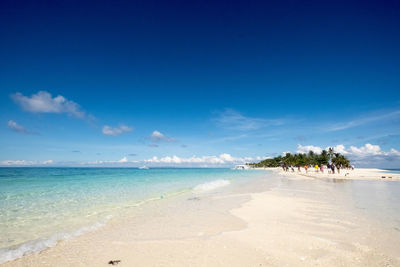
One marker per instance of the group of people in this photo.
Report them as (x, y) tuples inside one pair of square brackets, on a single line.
[(330, 166)]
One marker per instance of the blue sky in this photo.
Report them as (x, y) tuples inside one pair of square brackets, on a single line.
[(211, 83)]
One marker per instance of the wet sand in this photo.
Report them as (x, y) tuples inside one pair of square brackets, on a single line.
[(273, 221)]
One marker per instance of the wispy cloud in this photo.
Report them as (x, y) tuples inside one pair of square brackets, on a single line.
[(25, 163), (18, 128), (114, 131), (152, 145), (301, 138), (157, 136), (228, 138), (366, 119), (233, 120), (43, 102)]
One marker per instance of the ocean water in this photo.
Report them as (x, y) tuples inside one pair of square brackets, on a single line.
[(41, 206), (393, 171)]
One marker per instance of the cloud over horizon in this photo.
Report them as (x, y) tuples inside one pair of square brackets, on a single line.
[(366, 156), (25, 163), (222, 160), (43, 102), (203, 161)]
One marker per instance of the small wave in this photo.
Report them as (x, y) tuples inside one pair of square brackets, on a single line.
[(35, 246), (211, 185)]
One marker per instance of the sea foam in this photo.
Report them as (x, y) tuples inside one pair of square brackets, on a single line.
[(211, 185), (36, 246)]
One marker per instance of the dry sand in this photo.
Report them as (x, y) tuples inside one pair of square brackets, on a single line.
[(289, 223), (356, 174)]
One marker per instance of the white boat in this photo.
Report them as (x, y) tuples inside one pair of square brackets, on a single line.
[(143, 167), (242, 167)]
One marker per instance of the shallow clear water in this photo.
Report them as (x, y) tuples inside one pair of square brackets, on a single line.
[(40, 206), (378, 200)]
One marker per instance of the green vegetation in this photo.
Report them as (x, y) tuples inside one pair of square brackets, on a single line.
[(311, 158)]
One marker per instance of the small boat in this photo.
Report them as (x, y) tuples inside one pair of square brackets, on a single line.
[(241, 167), (144, 167)]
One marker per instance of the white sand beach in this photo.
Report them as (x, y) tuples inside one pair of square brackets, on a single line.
[(349, 174), (288, 220)]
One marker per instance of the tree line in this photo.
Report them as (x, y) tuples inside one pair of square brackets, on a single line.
[(302, 159)]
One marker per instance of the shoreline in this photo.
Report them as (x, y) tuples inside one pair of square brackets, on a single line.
[(272, 221), (345, 174)]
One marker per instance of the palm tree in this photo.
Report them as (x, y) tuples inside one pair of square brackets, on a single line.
[(330, 153), (323, 158), (310, 157), (302, 159), (340, 161)]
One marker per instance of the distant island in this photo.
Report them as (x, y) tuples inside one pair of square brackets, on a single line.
[(302, 159)]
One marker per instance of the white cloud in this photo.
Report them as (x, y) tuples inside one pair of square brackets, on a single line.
[(366, 150), (373, 156), (233, 120), (339, 149), (43, 102), (16, 127), (227, 157), (365, 156), (123, 160), (306, 149), (158, 136), (107, 130), (25, 162), (204, 161), (222, 160), (17, 163)]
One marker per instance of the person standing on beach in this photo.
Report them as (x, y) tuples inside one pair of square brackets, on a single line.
[(306, 167), (321, 168), (333, 168)]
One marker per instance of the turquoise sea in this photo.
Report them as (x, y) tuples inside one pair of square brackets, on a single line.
[(393, 170), (41, 206)]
